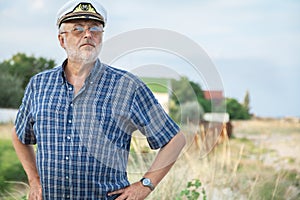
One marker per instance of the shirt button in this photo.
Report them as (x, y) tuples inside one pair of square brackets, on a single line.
[(68, 196), (67, 157), (68, 138), (70, 88), (67, 177), (71, 104), (69, 121)]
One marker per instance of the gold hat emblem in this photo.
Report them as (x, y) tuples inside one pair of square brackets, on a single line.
[(85, 7)]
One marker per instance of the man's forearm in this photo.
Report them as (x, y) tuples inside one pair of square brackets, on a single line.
[(165, 159), (163, 162), (27, 157)]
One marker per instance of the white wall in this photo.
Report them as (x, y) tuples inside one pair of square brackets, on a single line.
[(7, 115), (163, 99)]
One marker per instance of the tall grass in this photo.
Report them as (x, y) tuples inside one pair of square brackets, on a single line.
[(12, 175), (232, 169)]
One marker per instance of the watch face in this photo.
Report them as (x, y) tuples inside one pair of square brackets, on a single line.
[(146, 181)]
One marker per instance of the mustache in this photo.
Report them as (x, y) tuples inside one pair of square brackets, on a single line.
[(90, 43)]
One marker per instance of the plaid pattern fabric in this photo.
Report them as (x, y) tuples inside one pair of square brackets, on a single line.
[(83, 141)]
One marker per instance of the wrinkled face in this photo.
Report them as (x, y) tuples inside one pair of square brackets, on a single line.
[(81, 40)]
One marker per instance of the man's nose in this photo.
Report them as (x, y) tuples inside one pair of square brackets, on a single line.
[(87, 33)]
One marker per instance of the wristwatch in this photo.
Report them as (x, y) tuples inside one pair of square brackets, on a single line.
[(147, 183)]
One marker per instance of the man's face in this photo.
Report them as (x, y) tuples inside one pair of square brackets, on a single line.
[(81, 39)]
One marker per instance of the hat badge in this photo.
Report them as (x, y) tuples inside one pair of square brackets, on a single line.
[(85, 7)]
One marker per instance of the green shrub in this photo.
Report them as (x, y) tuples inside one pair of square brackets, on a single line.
[(11, 91), (10, 166), (15, 75), (194, 190)]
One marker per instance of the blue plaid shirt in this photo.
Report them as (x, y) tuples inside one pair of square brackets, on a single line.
[(83, 141)]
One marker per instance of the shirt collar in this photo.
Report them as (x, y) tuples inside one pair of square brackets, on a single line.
[(91, 77), (62, 79)]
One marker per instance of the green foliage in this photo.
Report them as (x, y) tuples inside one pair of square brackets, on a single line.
[(277, 185), (236, 110), (15, 75), (246, 102), (193, 191), (187, 100), (191, 112), (10, 167), (185, 91), (159, 85), (11, 91), (24, 197), (24, 67)]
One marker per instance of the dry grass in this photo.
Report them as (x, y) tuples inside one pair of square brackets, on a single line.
[(267, 126), (238, 168), (5, 130)]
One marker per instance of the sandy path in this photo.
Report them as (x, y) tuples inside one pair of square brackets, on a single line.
[(285, 147)]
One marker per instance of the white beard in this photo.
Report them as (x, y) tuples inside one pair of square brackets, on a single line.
[(84, 55)]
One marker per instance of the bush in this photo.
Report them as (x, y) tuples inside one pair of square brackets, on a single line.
[(193, 190), (191, 112), (10, 166), (236, 110), (11, 91), (15, 75)]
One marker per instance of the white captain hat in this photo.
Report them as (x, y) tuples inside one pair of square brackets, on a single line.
[(81, 9)]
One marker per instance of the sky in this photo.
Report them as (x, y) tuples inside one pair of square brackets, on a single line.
[(254, 45)]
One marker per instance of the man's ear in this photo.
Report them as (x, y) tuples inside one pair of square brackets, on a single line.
[(61, 40)]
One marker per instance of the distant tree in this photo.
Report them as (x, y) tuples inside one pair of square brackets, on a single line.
[(182, 91), (246, 102), (205, 104), (191, 112), (236, 110), (185, 90), (15, 75), (24, 67), (11, 91), (186, 100)]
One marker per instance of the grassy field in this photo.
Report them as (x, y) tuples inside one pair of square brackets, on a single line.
[(12, 176), (260, 161), (158, 85)]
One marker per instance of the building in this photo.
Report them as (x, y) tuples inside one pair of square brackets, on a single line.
[(215, 96)]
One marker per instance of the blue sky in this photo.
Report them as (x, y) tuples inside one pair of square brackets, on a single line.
[(254, 44)]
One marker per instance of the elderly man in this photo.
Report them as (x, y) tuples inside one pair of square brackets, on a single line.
[(81, 115)]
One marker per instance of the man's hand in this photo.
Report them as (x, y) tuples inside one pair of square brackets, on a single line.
[(135, 191), (26, 156), (35, 192), (163, 162)]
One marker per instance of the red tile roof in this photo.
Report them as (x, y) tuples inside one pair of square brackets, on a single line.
[(213, 94)]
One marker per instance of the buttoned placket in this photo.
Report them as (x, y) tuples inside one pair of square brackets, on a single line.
[(69, 132), (68, 140)]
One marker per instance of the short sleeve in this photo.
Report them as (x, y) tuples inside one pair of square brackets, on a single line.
[(151, 119), (24, 121)]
